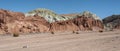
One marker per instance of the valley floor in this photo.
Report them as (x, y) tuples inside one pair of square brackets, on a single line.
[(67, 41)]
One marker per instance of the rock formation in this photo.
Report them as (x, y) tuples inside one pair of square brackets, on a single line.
[(12, 22), (79, 23), (30, 25), (7, 17), (112, 21), (49, 15), (85, 14)]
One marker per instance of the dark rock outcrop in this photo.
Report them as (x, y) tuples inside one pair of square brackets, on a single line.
[(113, 21)]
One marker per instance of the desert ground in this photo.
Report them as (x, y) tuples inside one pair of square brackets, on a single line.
[(64, 41)]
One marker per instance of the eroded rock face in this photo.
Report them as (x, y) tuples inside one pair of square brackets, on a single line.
[(63, 26), (79, 23), (12, 22), (29, 25), (7, 17)]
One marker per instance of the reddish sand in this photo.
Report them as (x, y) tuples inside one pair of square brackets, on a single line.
[(67, 41)]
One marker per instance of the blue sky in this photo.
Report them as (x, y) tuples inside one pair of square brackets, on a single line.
[(102, 8)]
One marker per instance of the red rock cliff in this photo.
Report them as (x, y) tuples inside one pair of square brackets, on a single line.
[(79, 23)]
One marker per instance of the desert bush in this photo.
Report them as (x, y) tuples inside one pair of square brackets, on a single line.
[(77, 32), (52, 32), (100, 31), (15, 34), (73, 32)]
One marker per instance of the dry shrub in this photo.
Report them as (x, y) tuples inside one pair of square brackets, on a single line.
[(52, 32), (15, 34), (15, 31), (100, 31), (73, 31), (77, 32)]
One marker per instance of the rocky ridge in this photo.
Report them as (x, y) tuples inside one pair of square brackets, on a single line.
[(16, 22), (49, 15)]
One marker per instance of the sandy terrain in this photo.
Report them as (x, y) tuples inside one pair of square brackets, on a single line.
[(85, 41)]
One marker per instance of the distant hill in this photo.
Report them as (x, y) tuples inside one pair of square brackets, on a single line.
[(113, 20)]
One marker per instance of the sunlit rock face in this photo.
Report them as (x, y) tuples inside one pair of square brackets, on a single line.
[(7, 17), (49, 15), (112, 21)]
